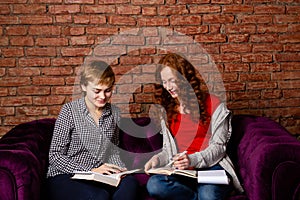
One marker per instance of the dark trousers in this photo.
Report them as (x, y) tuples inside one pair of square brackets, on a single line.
[(62, 187)]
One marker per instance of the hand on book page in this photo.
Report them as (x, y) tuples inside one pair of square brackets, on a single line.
[(111, 179), (169, 171)]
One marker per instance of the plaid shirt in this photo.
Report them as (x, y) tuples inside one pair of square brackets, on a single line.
[(78, 143)]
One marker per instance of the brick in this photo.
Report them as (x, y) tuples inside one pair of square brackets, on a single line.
[(255, 19), (9, 20), (57, 71), (248, 95), (75, 51), (99, 9), (4, 9), (149, 2), (269, 9), (64, 9), (33, 90), (16, 101), (89, 19), (22, 41), (261, 85), (178, 20), (6, 111), (128, 10), (13, 52), (199, 9), (122, 20), (293, 93), (4, 41), (278, 19), (34, 62), (213, 38), (255, 77), (24, 71), (73, 30), (35, 19), (172, 10), (286, 75), (289, 38), (44, 51), (148, 11), (238, 9), (29, 9), (14, 81), (135, 60), (49, 100), (67, 61), (32, 110), (44, 30), (289, 84), (215, 18), (238, 38), (15, 120), (291, 47), (16, 30), (264, 38), (82, 40), (265, 67), (275, 28), (51, 42), (7, 62), (79, 1), (262, 57), (62, 90), (153, 21), (235, 48), (271, 94), (101, 30), (48, 81), (289, 57), (3, 92), (267, 47)]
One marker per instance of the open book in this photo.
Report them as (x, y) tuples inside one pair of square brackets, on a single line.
[(170, 171), (213, 177), (111, 179), (206, 176)]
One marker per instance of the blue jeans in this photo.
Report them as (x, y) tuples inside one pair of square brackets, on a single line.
[(179, 187), (61, 187)]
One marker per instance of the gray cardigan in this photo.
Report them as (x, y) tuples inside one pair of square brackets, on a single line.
[(221, 129)]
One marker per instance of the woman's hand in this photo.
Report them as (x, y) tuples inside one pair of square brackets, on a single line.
[(181, 162), (152, 163), (107, 168)]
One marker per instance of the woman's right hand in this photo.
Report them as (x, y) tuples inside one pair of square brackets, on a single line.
[(152, 163)]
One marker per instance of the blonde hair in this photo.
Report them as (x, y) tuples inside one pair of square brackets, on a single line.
[(97, 71)]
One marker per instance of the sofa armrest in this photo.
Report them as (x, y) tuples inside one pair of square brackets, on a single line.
[(8, 185), (262, 148), (24, 157), (286, 181)]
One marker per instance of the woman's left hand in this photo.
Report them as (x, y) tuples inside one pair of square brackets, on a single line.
[(182, 162)]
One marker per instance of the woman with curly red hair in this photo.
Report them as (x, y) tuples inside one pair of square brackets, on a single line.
[(198, 123)]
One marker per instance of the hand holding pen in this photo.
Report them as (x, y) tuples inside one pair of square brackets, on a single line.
[(180, 161)]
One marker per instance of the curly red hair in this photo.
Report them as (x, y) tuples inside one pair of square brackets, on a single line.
[(189, 82)]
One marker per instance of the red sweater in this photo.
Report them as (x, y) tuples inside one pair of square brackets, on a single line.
[(190, 135)]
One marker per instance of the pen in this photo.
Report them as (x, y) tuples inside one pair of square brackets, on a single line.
[(181, 154)]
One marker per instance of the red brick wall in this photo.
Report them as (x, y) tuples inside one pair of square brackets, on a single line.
[(249, 55)]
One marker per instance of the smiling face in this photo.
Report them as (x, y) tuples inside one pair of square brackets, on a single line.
[(97, 95), (169, 81)]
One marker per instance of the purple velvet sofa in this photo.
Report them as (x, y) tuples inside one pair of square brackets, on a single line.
[(266, 157)]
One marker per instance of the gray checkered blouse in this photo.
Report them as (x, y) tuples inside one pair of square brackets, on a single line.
[(78, 143)]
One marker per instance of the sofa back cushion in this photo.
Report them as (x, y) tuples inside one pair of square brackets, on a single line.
[(139, 140)]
